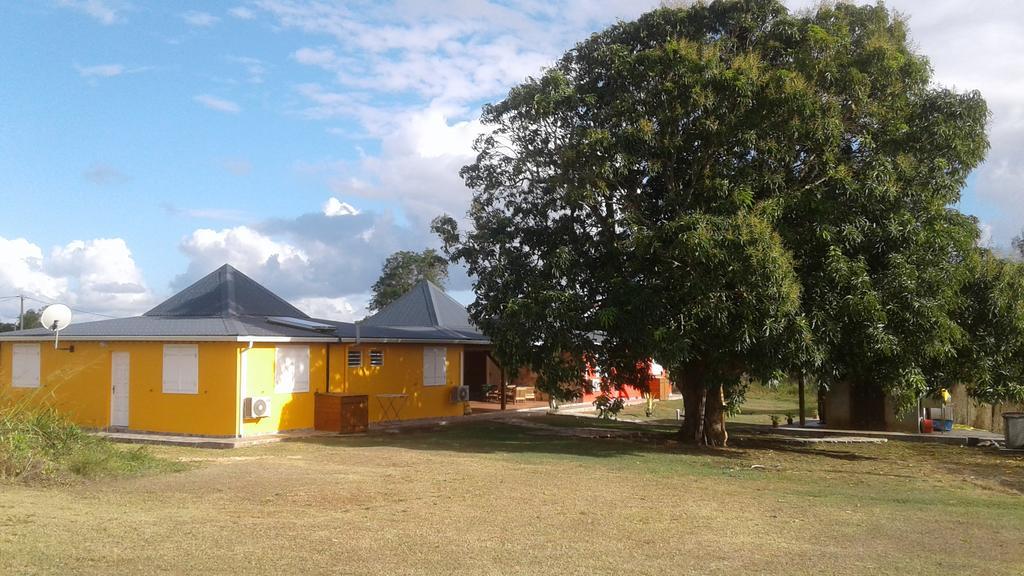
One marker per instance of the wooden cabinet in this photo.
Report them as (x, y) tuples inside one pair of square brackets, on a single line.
[(341, 413)]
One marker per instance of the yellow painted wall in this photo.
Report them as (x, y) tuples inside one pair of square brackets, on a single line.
[(402, 373), (288, 411), (78, 384), (70, 382)]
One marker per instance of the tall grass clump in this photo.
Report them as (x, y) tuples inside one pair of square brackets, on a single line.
[(39, 444)]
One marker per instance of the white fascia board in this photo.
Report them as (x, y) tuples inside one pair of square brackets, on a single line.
[(410, 341), (265, 339), (166, 339)]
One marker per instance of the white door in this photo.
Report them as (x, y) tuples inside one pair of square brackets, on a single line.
[(119, 389)]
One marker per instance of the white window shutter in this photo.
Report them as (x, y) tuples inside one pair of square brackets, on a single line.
[(434, 368), (291, 369), (181, 369), (25, 366), (428, 366), (442, 366)]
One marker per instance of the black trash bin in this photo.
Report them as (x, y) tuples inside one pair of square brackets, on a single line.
[(1013, 429)]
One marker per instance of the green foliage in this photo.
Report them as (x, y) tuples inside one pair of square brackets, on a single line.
[(608, 408), (990, 357), (1018, 244), (730, 189), (41, 445), (403, 270), (30, 319)]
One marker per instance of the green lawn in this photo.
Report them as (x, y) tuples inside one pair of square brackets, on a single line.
[(761, 403), (486, 497)]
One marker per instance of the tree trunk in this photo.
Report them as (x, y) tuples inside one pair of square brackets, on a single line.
[(714, 417), (703, 410), (692, 388)]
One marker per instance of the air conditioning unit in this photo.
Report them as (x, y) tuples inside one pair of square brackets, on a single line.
[(257, 407), (460, 394)]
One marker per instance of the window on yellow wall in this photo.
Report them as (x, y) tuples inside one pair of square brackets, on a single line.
[(355, 358), (376, 357), (181, 369), (434, 366), (291, 369), (25, 366)]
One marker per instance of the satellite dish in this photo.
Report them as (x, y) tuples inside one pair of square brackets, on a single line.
[(55, 317)]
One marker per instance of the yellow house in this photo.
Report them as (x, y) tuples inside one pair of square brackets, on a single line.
[(227, 357)]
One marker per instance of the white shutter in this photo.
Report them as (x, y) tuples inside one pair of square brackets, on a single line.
[(442, 366), (428, 366), (291, 369), (181, 369), (25, 366), (434, 368)]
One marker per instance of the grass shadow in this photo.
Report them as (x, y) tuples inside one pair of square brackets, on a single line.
[(788, 446), (495, 437)]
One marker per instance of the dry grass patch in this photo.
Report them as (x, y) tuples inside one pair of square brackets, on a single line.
[(491, 498)]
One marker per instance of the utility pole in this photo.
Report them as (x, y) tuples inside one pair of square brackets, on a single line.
[(21, 314)]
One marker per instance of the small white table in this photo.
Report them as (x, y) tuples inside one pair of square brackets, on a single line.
[(391, 406)]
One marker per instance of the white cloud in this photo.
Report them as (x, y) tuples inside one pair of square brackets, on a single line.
[(106, 275), (314, 257), (255, 68), (98, 276), (439, 62), (242, 13), (325, 104), (334, 207), (421, 152), (985, 238), (199, 19), (105, 12), (454, 52), (218, 104), (241, 247), (21, 271), (323, 57), (100, 70), (443, 59), (345, 309)]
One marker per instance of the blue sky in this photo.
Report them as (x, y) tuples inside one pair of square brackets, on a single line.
[(145, 143)]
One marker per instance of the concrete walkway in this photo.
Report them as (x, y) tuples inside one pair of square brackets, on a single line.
[(221, 442), (955, 437), (204, 441)]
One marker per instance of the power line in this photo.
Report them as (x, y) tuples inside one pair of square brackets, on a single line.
[(80, 311)]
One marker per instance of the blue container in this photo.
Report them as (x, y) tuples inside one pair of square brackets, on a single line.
[(947, 425)]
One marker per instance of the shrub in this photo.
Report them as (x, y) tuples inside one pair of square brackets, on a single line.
[(41, 444)]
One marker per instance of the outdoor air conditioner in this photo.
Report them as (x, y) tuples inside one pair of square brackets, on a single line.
[(460, 394), (258, 407)]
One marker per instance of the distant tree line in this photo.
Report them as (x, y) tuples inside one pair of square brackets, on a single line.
[(30, 319)]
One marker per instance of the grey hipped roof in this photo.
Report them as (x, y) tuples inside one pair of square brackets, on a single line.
[(223, 305), (424, 305), (228, 305), (224, 293), (172, 328), (425, 312)]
